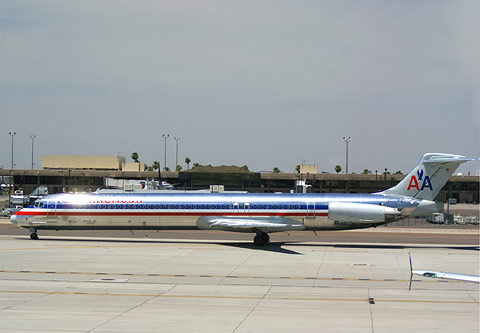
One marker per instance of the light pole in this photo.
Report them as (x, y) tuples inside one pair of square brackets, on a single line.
[(165, 159), (33, 138), (176, 154), (12, 134), (347, 140)]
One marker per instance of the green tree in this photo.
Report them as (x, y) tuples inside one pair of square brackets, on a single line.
[(134, 156), (178, 168), (155, 165), (166, 168), (297, 169), (366, 172), (276, 170), (195, 165), (187, 162), (398, 173), (338, 168)]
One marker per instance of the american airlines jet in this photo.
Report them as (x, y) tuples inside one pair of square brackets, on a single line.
[(244, 212)]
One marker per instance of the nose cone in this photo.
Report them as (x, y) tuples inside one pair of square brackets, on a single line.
[(13, 219)]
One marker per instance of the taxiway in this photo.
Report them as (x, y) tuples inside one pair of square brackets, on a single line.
[(76, 283)]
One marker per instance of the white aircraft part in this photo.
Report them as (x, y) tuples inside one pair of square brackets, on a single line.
[(355, 212), (430, 175), (449, 276), (268, 224)]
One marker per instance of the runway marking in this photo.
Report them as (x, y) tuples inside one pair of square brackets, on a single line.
[(54, 247), (224, 276), (180, 245), (369, 300)]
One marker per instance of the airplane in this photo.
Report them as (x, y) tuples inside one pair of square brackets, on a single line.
[(442, 275), (259, 213)]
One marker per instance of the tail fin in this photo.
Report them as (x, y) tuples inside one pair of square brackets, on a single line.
[(430, 175)]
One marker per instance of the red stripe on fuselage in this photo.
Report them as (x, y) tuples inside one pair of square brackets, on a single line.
[(265, 214)]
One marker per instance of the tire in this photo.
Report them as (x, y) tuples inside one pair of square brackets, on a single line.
[(261, 239)]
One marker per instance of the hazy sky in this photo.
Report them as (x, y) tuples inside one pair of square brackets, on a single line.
[(262, 83)]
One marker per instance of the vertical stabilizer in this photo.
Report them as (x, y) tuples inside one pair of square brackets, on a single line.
[(430, 175)]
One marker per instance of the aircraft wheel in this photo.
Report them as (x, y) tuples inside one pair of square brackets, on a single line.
[(33, 235), (267, 238), (261, 239)]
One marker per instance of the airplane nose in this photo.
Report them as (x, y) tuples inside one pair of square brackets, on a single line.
[(13, 219)]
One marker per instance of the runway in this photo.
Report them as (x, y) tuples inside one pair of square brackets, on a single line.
[(359, 283)]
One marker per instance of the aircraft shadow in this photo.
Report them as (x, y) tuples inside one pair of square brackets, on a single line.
[(270, 247)]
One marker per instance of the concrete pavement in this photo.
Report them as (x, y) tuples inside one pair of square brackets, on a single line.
[(114, 285)]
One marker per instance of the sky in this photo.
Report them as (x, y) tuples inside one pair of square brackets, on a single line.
[(259, 83)]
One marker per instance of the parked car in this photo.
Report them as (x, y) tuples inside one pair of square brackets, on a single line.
[(8, 211)]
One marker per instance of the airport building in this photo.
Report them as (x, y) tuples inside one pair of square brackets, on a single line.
[(462, 188), (78, 162)]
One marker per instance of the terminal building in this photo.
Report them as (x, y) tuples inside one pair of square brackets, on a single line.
[(89, 173), (78, 162)]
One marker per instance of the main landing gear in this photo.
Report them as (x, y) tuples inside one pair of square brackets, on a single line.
[(261, 238)]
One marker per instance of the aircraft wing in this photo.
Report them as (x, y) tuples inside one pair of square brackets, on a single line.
[(449, 276), (441, 275), (249, 224)]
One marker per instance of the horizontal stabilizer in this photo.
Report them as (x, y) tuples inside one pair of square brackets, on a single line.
[(444, 158)]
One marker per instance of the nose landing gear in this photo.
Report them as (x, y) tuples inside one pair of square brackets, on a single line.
[(33, 233)]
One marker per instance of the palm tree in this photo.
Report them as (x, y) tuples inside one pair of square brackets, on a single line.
[(134, 156), (338, 168), (195, 165), (166, 169), (297, 169), (178, 168), (276, 170), (187, 161), (155, 165)]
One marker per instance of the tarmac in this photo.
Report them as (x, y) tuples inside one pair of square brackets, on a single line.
[(75, 283)]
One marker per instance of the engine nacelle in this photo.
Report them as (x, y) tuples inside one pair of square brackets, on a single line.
[(362, 213)]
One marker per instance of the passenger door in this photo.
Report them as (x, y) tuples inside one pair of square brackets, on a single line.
[(310, 210), (51, 211)]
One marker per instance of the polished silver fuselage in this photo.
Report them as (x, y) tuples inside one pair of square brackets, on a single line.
[(164, 210)]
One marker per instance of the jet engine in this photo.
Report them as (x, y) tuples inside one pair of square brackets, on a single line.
[(366, 213)]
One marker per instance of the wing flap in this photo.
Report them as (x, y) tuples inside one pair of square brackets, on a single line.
[(249, 224)]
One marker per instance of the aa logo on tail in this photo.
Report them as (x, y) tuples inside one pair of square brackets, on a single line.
[(414, 182)]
